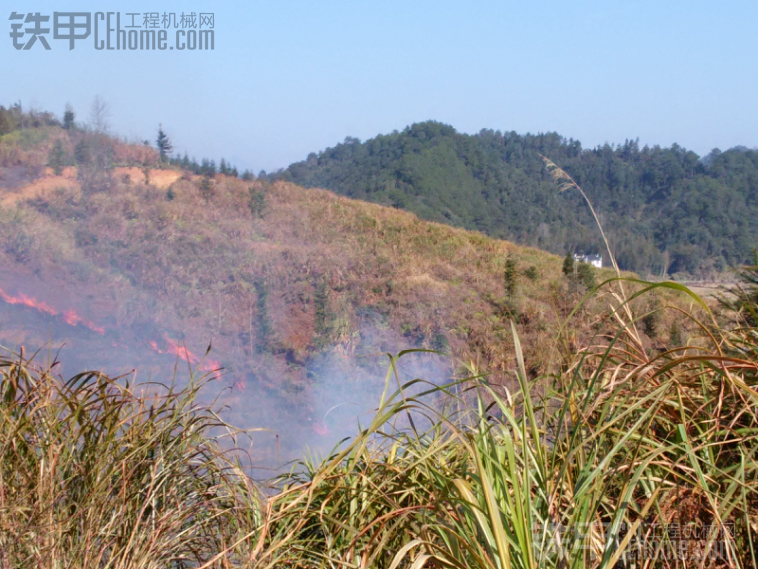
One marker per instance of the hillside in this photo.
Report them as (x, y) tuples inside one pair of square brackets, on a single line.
[(113, 260), (119, 261), (665, 209)]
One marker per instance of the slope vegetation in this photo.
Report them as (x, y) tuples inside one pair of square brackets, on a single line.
[(666, 210)]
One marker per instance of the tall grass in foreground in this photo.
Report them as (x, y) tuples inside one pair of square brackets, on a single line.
[(591, 467), (97, 474), (595, 467)]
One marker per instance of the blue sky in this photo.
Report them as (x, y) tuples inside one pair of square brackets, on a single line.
[(289, 77)]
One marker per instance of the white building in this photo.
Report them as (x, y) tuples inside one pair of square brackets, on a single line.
[(594, 260)]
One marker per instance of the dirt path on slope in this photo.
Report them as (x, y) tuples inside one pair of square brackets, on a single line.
[(68, 179)]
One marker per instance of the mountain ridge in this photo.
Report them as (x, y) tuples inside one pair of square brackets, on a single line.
[(666, 210)]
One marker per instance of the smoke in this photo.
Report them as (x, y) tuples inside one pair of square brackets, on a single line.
[(284, 420), (348, 388), (343, 390)]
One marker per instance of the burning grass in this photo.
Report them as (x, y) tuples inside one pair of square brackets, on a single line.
[(213, 268), (69, 316)]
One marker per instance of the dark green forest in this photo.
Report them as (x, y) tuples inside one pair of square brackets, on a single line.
[(666, 210)]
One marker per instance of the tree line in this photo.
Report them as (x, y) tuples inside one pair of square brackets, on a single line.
[(15, 117), (666, 210)]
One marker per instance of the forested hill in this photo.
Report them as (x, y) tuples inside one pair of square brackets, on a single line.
[(664, 209)]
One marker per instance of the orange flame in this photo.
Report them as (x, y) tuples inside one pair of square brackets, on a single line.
[(181, 351), (28, 301), (73, 319), (69, 316), (212, 366)]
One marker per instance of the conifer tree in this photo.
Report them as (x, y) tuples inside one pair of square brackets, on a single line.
[(568, 265), (163, 143), (586, 275), (6, 121), (56, 157), (68, 118), (321, 321), (264, 322), (81, 152), (206, 188)]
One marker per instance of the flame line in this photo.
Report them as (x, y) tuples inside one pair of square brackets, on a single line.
[(181, 351), (71, 318)]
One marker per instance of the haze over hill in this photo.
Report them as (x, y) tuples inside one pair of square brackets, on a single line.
[(664, 209)]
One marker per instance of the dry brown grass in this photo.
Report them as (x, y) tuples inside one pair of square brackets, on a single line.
[(422, 279)]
